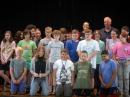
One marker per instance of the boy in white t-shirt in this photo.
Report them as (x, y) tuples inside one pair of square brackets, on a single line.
[(91, 46), (63, 71)]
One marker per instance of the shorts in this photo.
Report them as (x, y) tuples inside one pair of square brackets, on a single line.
[(19, 88), (109, 91), (5, 66), (92, 72), (28, 63), (51, 67)]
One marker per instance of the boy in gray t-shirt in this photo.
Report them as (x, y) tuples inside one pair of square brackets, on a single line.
[(18, 69), (54, 48)]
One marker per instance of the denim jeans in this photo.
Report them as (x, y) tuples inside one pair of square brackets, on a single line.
[(35, 83), (20, 88), (123, 76)]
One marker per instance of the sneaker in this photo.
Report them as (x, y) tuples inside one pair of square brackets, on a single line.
[(50, 90)]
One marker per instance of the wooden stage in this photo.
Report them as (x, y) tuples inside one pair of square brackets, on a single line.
[(7, 94)]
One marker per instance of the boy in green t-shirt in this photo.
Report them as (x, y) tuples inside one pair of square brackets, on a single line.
[(29, 48), (84, 82)]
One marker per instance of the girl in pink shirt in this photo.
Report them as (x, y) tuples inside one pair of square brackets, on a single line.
[(121, 53), (7, 50)]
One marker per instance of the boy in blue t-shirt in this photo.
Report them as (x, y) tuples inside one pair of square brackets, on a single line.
[(71, 46), (107, 75)]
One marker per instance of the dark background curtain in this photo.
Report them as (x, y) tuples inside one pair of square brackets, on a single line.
[(61, 13)]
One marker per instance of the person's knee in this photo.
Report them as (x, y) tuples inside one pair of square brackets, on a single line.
[(68, 94), (22, 93), (45, 93), (13, 90), (58, 94), (32, 92), (13, 93)]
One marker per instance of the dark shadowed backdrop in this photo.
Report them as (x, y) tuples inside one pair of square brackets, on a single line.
[(61, 13)]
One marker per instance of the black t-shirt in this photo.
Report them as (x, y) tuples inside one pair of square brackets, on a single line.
[(40, 65)]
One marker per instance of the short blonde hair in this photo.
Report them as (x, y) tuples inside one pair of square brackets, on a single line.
[(56, 32), (48, 29), (19, 49)]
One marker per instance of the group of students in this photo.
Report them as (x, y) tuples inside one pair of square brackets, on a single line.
[(97, 64)]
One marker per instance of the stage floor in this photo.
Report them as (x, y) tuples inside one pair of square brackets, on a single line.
[(7, 93)]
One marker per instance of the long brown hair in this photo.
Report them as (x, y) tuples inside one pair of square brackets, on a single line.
[(11, 38), (38, 50)]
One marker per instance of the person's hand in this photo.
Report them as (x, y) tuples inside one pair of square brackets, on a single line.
[(44, 75), (3, 61), (41, 75), (6, 61), (36, 75), (117, 58), (103, 84), (14, 81), (88, 59), (18, 81), (108, 85)]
